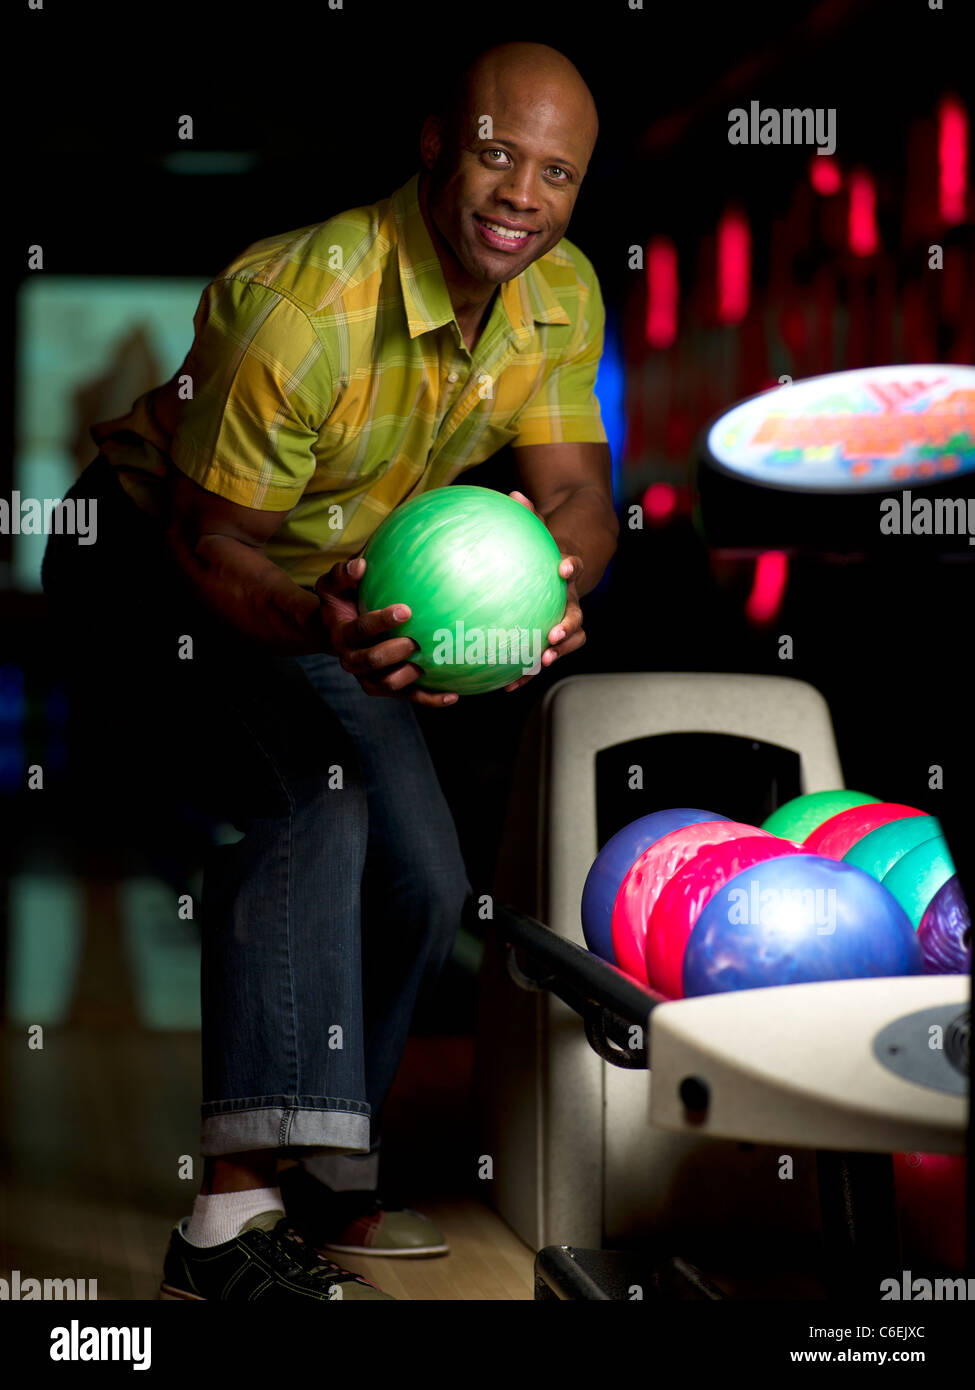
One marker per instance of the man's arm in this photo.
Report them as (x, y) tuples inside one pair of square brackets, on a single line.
[(219, 547), (571, 487)]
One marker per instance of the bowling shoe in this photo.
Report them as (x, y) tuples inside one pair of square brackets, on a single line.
[(267, 1259), (356, 1223)]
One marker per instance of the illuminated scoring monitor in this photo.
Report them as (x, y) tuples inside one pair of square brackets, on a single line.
[(845, 464), (863, 430)]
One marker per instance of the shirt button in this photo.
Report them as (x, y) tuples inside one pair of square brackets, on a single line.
[(451, 376)]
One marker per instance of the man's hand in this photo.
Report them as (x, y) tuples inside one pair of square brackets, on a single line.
[(568, 636), (382, 667)]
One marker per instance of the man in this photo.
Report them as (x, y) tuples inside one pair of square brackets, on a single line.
[(336, 371)]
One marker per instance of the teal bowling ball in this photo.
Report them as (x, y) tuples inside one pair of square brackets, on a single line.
[(918, 875), (480, 573), (879, 851)]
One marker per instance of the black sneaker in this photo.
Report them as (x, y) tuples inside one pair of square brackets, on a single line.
[(266, 1259)]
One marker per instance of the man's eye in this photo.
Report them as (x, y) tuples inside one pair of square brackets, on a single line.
[(503, 153), (560, 169)]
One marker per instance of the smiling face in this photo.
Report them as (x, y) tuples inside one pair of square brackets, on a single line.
[(498, 201)]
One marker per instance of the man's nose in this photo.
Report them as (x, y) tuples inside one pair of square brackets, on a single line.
[(520, 188)]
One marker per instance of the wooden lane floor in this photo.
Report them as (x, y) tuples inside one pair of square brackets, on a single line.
[(98, 1126)]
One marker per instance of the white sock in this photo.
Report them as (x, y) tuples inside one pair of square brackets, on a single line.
[(220, 1215)]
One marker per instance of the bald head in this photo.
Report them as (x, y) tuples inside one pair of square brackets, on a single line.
[(504, 158), (526, 76)]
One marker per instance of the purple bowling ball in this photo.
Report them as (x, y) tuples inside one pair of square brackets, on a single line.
[(945, 933), (613, 863)]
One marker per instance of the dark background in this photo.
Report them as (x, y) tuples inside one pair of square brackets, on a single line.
[(327, 106)]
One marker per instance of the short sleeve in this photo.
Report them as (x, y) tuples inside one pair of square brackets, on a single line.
[(564, 409), (261, 390)]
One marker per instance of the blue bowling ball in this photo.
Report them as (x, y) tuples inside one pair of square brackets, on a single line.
[(613, 863), (795, 920)]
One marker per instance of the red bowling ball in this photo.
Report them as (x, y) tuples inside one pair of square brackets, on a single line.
[(841, 832), (688, 892)]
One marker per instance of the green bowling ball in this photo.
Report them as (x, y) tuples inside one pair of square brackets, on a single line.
[(881, 849), (918, 875), (804, 814), (480, 573)]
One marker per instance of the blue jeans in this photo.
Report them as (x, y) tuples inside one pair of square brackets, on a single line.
[(343, 894)]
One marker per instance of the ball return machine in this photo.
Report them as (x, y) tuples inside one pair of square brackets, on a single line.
[(852, 1070)]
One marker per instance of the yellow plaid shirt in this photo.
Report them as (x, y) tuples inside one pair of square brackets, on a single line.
[(328, 375)]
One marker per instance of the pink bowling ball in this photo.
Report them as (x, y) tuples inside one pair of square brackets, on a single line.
[(647, 878)]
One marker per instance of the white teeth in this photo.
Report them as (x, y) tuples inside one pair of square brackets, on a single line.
[(505, 231)]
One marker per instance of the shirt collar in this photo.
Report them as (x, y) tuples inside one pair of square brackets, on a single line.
[(527, 299)]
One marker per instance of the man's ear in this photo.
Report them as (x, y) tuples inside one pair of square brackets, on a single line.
[(431, 141)]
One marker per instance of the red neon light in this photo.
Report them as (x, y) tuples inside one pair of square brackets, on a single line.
[(952, 160), (824, 174), (862, 228), (734, 257), (768, 588), (659, 502), (662, 293)]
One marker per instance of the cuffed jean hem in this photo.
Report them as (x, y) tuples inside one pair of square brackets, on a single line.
[(280, 1126), (345, 1172)]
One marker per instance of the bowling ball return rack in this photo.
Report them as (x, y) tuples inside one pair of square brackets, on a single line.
[(804, 468), (724, 1065)]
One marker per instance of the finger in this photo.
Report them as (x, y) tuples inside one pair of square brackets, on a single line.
[(433, 699), (571, 567), (571, 622), (400, 685), (342, 579), (395, 681), (338, 593), (398, 680), (363, 630), (571, 644), (525, 501), (361, 661)]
